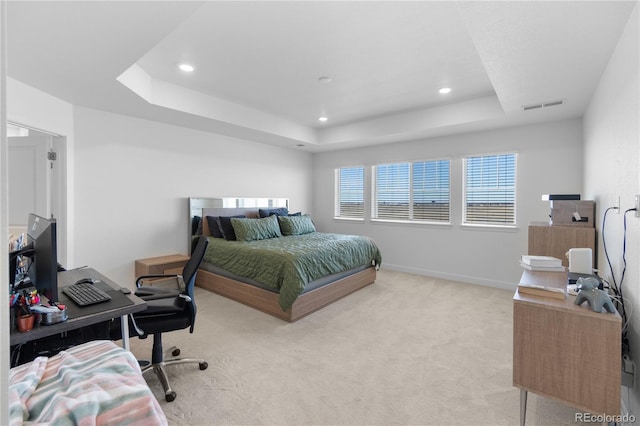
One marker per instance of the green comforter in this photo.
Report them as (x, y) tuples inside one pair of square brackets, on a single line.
[(287, 264)]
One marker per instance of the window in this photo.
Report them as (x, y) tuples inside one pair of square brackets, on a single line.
[(431, 191), (350, 192), (412, 191), (490, 189)]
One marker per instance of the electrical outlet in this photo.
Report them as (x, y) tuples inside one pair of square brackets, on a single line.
[(628, 371), (637, 205)]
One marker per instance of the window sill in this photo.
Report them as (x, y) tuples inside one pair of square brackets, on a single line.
[(348, 219), (410, 222), (489, 227)]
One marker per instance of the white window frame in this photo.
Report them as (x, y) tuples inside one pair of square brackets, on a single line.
[(338, 213), (489, 222)]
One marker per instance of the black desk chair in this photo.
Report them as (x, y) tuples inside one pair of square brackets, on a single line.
[(168, 309)]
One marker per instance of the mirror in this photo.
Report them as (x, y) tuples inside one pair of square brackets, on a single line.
[(196, 206)]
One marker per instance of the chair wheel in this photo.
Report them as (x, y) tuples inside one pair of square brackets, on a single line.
[(170, 396), (203, 365), (176, 352)]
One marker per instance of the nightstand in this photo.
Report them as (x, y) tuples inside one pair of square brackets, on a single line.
[(171, 264)]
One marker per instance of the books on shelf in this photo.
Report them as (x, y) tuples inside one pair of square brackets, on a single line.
[(541, 260), (541, 291), (544, 268), (542, 263)]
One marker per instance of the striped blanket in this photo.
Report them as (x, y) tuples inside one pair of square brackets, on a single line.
[(91, 384)]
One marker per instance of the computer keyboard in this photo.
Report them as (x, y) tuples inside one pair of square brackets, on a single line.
[(85, 294)]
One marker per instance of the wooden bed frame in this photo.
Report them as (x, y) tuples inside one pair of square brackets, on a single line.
[(267, 301), (261, 299)]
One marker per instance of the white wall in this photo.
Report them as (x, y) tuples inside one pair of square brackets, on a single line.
[(133, 178), (549, 161), (612, 170), (37, 109)]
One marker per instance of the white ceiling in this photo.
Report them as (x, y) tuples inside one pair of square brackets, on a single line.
[(258, 63)]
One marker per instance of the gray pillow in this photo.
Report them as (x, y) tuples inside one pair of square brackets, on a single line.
[(214, 226), (296, 225), (256, 229), (280, 211)]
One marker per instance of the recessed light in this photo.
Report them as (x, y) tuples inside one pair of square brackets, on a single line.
[(444, 90), (186, 67), (325, 79), (322, 118)]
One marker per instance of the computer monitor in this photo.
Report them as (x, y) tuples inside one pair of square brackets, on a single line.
[(43, 272)]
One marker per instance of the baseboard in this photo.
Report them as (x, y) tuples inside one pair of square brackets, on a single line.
[(624, 404), (452, 277)]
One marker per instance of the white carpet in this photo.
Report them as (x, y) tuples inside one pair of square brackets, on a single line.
[(407, 350)]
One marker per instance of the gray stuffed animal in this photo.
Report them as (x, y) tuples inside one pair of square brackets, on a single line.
[(597, 298)]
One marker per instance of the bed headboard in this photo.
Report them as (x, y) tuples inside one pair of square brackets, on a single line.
[(199, 208)]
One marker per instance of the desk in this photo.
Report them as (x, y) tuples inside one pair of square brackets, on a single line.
[(82, 317), (565, 351)]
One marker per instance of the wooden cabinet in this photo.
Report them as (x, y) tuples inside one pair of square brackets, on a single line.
[(565, 351), (171, 264), (556, 240)]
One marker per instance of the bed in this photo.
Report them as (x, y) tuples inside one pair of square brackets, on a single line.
[(288, 275), (90, 384)]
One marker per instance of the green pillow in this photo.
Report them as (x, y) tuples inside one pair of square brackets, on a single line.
[(256, 229), (296, 225)]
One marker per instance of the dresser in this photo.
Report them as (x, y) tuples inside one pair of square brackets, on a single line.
[(565, 351), (556, 240)]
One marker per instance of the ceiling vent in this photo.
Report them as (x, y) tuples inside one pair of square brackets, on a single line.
[(543, 105)]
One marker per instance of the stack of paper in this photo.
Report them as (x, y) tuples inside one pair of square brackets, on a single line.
[(542, 263), (536, 290)]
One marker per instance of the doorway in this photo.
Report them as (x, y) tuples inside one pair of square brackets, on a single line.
[(36, 179)]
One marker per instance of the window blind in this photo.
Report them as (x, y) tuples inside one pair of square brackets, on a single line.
[(490, 189), (431, 191), (392, 191), (350, 192), (412, 191)]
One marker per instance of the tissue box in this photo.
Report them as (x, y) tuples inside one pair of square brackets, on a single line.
[(563, 212)]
